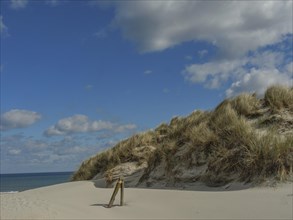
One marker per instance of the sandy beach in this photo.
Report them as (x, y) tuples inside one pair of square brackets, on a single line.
[(82, 200)]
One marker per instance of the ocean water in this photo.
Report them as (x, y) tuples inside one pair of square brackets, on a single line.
[(24, 181)]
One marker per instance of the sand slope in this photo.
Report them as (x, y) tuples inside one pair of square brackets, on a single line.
[(82, 200)]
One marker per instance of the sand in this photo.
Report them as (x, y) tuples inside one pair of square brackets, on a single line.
[(82, 200)]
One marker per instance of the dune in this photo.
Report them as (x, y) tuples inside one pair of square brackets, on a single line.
[(82, 200)]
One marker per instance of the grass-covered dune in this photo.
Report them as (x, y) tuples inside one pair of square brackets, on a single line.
[(244, 139)]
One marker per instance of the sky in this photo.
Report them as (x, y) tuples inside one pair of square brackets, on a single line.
[(78, 76)]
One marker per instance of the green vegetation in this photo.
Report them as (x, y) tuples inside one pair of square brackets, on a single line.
[(238, 141)]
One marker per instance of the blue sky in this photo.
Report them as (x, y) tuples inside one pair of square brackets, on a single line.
[(78, 76)]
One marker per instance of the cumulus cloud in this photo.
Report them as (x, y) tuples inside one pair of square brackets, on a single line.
[(17, 118), (235, 27), (237, 30), (18, 4), (257, 80), (262, 69), (212, 74), (82, 124), (251, 73)]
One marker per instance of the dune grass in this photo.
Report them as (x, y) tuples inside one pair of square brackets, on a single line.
[(122, 152), (224, 141), (246, 105), (279, 97)]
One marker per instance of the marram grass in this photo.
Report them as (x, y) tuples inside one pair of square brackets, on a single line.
[(232, 142)]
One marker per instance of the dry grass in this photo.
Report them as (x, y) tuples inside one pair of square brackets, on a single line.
[(92, 166), (223, 140), (232, 130), (201, 140), (266, 157), (246, 104), (120, 153), (270, 155), (279, 97)]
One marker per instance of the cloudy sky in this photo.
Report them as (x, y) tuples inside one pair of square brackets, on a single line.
[(78, 76)]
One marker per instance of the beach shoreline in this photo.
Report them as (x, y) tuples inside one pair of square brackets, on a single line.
[(82, 200)]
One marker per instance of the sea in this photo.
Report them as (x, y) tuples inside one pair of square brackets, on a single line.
[(12, 183)]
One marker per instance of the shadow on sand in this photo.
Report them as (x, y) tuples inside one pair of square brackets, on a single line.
[(197, 186), (103, 205)]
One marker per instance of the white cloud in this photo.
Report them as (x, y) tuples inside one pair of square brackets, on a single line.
[(3, 28), (258, 80), (188, 57), (17, 118), (89, 87), (26, 152), (124, 128), (82, 124), (101, 33), (166, 91), (14, 152), (18, 4), (213, 74), (2, 25), (266, 69), (75, 150), (147, 72), (53, 2), (235, 27), (32, 144), (252, 73), (202, 53), (289, 68), (267, 59)]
